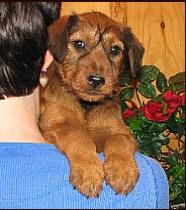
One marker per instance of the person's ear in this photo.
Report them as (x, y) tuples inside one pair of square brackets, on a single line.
[(44, 75), (48, 59)]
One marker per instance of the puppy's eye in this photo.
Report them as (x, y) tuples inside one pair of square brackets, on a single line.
[(115, 50), (79, 44)]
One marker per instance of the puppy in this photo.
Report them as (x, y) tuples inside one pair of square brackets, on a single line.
[(80, 110)]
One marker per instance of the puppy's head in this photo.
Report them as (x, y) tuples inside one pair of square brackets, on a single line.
[(90, 50)]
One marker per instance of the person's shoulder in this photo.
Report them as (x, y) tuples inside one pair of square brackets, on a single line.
[(151, 167), (38, 175), (150, 191)]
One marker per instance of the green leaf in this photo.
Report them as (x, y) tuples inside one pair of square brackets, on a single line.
[(176, 124), (147, 89), (177, 82), (150, 143), (123, 105), (171, 159), (178, 88), (150, 126), (158, 99), (148, 73), (161, 82), (173, 195), (165, 108), (182, 112), (164, 140), (134, 124), (127, 93), (178, 171), (178, 78), (171, 123), (180, 126)]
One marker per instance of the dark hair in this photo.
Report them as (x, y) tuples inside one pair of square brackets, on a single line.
[(23, 43), (50, 11)]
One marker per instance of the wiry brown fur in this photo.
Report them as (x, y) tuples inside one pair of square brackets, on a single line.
[(82, 120)]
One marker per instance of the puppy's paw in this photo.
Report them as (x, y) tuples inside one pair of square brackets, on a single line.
[(87, 176), (121, 173)]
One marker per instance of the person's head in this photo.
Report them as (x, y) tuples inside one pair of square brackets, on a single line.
[(23, 44)]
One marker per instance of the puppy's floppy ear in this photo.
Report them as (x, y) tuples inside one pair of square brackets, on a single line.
[(134, 51), (59, 35)]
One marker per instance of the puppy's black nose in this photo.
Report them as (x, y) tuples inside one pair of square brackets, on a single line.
[(95, 81)]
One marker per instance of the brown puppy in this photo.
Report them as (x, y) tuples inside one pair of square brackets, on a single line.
[(80, 109)]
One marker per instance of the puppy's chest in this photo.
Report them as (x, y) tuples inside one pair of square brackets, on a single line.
[(87, 106)]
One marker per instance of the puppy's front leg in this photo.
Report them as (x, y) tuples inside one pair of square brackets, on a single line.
[(120, 167), (86, 170), (113, 137)]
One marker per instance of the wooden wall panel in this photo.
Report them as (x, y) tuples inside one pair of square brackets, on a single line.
[(160, 26)]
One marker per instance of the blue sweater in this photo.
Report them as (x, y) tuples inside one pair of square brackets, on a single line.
[(36, 176)]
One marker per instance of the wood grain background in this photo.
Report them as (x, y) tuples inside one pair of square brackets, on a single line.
[(160, 26)]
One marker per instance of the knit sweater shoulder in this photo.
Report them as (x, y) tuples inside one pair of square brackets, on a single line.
[(37, 176)]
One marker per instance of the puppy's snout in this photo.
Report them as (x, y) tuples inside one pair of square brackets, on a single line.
[(95, 81)]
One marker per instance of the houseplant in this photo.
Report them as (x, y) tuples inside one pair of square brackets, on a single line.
[(154, 109)]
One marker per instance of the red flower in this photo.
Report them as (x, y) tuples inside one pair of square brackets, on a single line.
[(171, 99), (182, 99), (128, 113), (153, 111)]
